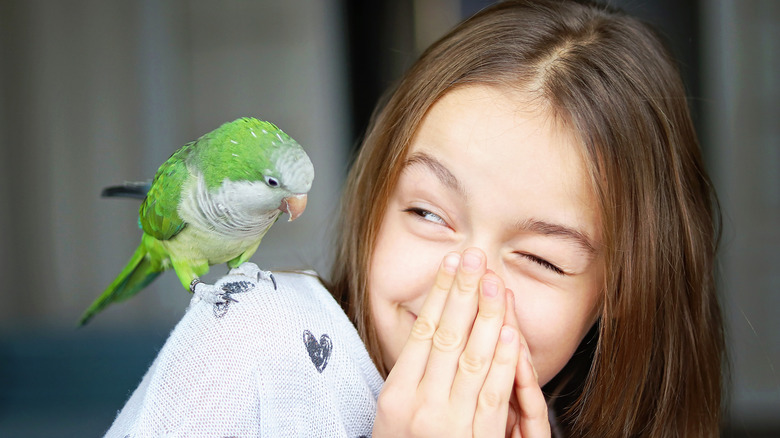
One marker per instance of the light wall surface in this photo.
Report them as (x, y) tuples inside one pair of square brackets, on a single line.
[(102, 92)]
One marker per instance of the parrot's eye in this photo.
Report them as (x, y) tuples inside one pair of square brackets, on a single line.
[(271, 181)]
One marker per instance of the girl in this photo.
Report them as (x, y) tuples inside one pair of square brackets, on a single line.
[(555, 137), (526, 248)]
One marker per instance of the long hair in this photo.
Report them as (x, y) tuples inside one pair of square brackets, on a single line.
[(654, 367)]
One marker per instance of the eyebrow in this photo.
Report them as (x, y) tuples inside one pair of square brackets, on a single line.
[(442, 173), (535, 226), (557, 230)]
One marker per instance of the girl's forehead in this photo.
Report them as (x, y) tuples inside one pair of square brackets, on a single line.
[(491, 122), (501, 154)]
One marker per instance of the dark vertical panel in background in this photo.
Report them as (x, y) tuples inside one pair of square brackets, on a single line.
[(379, 49), (363, 35)]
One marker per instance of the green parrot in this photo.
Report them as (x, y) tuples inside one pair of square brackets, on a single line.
[(212, 202)]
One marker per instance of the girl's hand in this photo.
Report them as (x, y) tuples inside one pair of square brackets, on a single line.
[(527, 408), (456, 372)]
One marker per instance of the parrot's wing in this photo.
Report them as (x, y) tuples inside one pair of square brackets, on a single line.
[(159, 215)]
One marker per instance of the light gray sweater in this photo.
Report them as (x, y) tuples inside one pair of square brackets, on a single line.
[(263, 356)]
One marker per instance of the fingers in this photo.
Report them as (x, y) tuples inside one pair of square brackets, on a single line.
[(533, 420), (480, 353), (412, 360), (490, 417), (453, 330), (533, 407), (465, 358)]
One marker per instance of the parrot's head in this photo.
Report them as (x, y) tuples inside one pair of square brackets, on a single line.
[(258, 166), (291, 177)]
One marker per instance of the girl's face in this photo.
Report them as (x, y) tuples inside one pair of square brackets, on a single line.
[(485, 171)]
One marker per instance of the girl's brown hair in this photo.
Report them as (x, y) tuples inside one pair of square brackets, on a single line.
[(657, 357)]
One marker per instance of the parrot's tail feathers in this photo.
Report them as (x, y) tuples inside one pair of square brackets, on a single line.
[(136, 275), (134, 190)]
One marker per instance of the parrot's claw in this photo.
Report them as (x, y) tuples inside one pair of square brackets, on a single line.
[(251, 270), (267, 275), (195, 281), (219, 295), (206, 292)]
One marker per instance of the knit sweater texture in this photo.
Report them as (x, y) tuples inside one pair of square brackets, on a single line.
[(268, 356)]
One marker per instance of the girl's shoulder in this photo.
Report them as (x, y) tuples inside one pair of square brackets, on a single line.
[(260, 300), (243, 361), (257, 310)]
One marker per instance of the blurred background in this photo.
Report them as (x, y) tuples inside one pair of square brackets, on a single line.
[(98, 92)]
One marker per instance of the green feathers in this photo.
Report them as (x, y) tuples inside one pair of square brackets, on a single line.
[(223, 162), (158, 215), (136, 275), (212, 202)]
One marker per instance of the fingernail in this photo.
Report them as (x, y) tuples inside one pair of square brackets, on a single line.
[(451, 263), (489, 288), (471, 261), (507, 335)]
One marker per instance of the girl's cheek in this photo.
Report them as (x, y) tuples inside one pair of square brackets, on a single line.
[(553, 333), (400, 272), (545, 324)]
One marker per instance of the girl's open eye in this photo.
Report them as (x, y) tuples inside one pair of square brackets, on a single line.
[(426, 215), (542, 262)]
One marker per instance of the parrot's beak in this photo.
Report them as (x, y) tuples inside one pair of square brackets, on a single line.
[(294, 206)]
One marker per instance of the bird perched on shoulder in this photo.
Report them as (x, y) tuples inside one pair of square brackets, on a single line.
[(212, 202)]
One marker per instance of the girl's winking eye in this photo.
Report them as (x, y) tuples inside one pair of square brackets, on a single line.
[(542, 262)]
